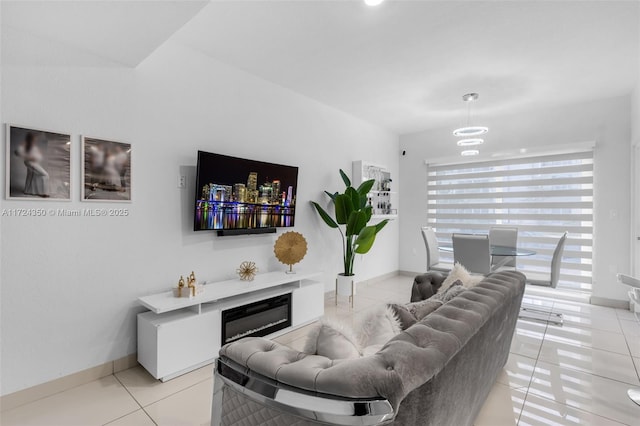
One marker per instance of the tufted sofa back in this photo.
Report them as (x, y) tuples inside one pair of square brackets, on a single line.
[(407, 362)]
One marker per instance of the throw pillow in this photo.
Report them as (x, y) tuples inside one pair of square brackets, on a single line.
[(407, 319), (377, 325), (332, 340), (460, 273), (423, 308), (455, 289)]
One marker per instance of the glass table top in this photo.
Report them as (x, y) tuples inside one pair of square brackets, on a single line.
[(499, 251)]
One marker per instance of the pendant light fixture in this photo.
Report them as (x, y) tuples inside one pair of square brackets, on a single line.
[(470, 130), (470, 142)]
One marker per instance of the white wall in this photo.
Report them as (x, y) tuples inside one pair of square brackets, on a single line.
[(607, 122), (69, 284)]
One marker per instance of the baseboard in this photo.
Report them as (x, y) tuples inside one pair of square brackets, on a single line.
[(373, 280), (611, 303), (410, 273), (379, 278), (34, 393)]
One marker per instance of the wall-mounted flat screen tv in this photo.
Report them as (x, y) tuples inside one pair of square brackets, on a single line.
[(239, 194)]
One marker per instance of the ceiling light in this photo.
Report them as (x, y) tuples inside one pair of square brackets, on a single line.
[(470, 130), (373, 2), (469, 152), (470, 142)]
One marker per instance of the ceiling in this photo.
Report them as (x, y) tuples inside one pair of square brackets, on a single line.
[(403, 65)]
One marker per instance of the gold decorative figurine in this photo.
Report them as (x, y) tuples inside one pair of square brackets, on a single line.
[(180, 286), (247, 271), (290, 248), (192, 283)]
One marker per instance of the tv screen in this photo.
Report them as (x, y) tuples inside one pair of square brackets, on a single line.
[(236, 193)]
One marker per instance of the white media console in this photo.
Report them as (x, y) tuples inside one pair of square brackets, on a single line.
[(179, 335)]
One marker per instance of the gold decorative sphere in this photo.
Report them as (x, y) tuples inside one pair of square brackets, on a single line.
[(247, 271), (290, 248)]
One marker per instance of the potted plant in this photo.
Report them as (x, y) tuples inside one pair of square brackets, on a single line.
[(352, 213)]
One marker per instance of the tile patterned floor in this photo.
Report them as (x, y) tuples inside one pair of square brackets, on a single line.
[(574, 374)]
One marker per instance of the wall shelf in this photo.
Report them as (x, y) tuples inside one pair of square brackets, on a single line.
[(381, 197)]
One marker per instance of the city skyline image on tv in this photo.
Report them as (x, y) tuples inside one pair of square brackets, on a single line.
[(237, 193)]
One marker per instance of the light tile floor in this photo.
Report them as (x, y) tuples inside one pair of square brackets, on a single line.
[(574, 374)]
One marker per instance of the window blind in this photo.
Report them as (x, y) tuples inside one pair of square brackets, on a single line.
[(543, 196)]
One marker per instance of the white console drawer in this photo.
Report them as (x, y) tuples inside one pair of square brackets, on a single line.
[(170, 344)]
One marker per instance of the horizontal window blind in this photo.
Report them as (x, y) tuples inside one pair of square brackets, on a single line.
[(542, 196)]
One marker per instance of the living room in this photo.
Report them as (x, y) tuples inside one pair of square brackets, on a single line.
[(172, 78)]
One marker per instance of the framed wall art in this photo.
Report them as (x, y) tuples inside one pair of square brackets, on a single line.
[(38, 164), (106, 170)]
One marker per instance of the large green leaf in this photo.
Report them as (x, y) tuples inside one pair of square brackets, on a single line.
[(344, 207), (354, 196), (381, 225), (332, 196), (365, 187), (368, 211), (365, 240), (357, 221), (345, 178), (325, 216)]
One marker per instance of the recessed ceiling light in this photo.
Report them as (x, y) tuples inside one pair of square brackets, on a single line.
[(469, 152), (470, 142), (373, 2)]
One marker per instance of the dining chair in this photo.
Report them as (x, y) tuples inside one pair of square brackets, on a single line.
[(528, 311), (473, 252), (505, 236), (551, 278), (433, 254)]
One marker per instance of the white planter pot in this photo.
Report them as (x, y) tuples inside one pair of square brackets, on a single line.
[(345, 285)]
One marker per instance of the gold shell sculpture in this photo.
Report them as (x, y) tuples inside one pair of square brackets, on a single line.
[(247, 271), (290, 248)]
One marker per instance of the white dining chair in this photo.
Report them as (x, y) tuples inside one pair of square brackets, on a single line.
[(473, 252), (505, 236), (550, 279), (433, 254)]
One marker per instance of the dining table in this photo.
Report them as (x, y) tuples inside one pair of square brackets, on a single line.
[(505, 252)]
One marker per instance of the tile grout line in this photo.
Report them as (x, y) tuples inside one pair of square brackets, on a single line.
[(565, 405), (626, 342), (132, 397), (544, 334)]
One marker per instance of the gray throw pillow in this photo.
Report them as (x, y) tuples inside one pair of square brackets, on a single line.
[(407, 319), (423, 308)]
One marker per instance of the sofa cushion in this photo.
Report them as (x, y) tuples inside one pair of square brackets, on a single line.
[(332, 340), (460, 273)]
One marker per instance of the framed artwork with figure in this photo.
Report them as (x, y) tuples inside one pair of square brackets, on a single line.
[(106, 170), (38, 164)]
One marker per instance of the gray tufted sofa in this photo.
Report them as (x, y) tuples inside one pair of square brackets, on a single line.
[(437, 372)]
